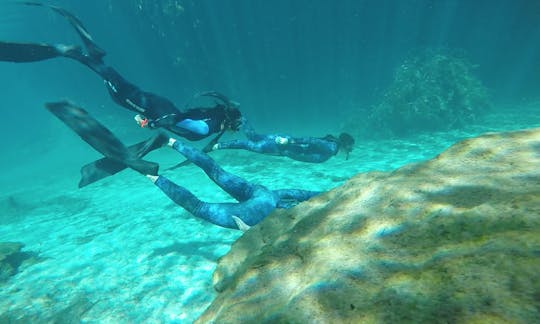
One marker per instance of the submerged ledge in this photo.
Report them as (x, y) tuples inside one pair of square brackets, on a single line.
[(455, 238)]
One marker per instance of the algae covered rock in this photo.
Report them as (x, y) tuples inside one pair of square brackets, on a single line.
[(11, 258), (7, 251), (453, 239), (431, 91)]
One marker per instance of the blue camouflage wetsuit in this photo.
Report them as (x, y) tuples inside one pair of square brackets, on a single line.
[(305, 149), (255, 202)]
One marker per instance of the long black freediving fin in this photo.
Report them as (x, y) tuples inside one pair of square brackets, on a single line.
[(26, 52), (206, 149), (93, 49), (99, 137), (105, 167)]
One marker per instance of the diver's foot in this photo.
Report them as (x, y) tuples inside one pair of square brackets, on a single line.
[(152, 178), (171, 142), (162, 139), (240, 224), (281, 140)]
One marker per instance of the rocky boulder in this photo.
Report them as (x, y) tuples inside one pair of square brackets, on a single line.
[(456, 238), (12, 259)]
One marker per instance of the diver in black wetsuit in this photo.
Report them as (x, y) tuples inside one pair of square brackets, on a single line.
[(153, 111), (305, 149)]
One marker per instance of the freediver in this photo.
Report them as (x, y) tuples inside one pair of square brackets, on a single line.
[(153, 111), (255, 201), (305, 149)]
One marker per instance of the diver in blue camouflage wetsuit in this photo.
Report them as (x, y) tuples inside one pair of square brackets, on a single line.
[(255, 201), (305, 149)]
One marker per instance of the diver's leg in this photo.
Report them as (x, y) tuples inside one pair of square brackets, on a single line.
[(121, 91), (298, 194), (215, 213), (209, 147), (178, 194), (213, 142), (235, 144), (264, 146), (250, 132), (291, 197), (235, 186)]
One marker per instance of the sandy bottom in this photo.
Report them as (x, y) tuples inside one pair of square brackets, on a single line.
[(120, 251)]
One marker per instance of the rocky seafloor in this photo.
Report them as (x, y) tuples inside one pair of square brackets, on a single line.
[(452, 239)]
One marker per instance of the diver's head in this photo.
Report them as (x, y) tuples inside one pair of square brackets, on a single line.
[(346, 143), (233, 119)]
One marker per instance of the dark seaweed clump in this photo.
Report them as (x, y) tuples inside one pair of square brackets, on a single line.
[(431, 91)]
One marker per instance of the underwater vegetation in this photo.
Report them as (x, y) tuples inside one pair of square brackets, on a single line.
[(431, 91)]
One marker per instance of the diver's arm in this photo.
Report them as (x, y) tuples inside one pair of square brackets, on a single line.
[(250, 133), (291, 197)]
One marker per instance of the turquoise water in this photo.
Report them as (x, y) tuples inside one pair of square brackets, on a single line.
[(119, 251), (130, 255)]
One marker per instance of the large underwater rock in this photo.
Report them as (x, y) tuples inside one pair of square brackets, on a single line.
[(433, 90), (7, 252), (453, 239), (12, 259)]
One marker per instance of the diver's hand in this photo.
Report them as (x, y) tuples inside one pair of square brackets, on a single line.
[(142, 121)]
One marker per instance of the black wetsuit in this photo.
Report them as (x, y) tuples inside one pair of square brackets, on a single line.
[(194, 124)]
